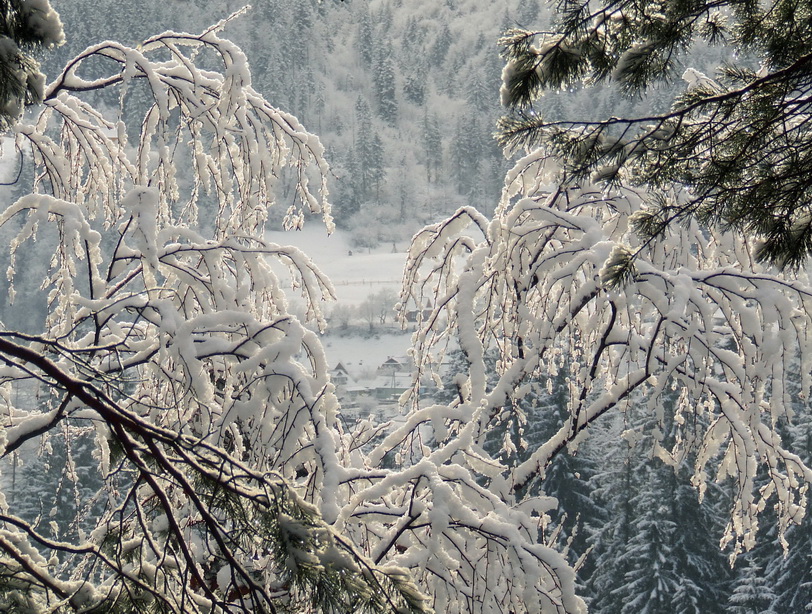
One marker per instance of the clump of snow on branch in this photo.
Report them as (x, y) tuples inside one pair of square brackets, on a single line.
[(557, 283), (169, 345), (43, 21)]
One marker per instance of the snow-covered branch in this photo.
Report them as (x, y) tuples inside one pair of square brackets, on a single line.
[(169, 348), (696, 314)]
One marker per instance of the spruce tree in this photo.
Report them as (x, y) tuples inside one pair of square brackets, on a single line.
[(567, 477), (466, 148), (441, 45), (613, 485), (790, 573), (385, 87), (432, 147), (366, 39), (368, 153), (302, 26), (790, 576), (655, 549), (652, 579), (752, 593), (414, 85)]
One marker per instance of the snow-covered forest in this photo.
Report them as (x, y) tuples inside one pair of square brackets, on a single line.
[(587, 418)]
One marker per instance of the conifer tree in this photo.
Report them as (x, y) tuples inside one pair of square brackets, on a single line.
[(302, 25), (752, 593), (441, 45), (432, 147), (651, 580), (790, 573), (466, 148), (737, 141), (55, 485), (528, 13), (613, 485), (655, 546), (414, 85), (369, 156), (566, 478), (413, 39), (366, 38), (672, 562), (385, 87)]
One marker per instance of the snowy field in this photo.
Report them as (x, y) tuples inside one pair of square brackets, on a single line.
[(362, 355), (355, 274)]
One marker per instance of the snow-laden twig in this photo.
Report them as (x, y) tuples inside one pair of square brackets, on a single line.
[(169, 345), (694, 312)]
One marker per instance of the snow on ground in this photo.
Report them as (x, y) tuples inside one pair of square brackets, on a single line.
[(363, 355), (355, 273)]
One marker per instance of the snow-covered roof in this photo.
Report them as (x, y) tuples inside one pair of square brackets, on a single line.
[(391, 381)]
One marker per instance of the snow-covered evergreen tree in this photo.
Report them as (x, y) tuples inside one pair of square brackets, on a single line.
[(651, 580), (790, 576), (383, 78), (440, 46), (432, 147), (789, 573), (567, 478), (613, 485), (672, 562), (656, 547), (366, 37), (465, 152), (55, 488), (369, 155), (752, 593)]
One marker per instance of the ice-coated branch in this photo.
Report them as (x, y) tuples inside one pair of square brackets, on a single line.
[(238, 146), (695, 313), (175, 472), (169, 350)]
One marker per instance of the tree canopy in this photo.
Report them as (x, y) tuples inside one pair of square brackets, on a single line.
[(737, 143), (223, 476), (168, 349)]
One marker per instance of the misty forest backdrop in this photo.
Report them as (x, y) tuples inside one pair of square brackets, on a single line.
[(404, 94)]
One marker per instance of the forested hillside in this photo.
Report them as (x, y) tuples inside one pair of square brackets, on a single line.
[(405, 97)]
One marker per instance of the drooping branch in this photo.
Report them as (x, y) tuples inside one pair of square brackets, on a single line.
[(695, 312)]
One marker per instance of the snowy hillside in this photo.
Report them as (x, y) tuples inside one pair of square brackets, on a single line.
[(404, 95)]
